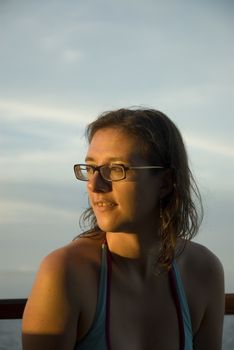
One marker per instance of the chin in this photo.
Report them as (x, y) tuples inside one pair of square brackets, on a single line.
[(114, 227), (108, 228), (108, 225)]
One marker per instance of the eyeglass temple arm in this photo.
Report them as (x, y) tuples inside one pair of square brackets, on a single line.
[(147, 167)]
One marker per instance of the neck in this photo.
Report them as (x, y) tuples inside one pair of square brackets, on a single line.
[(134, 254), (132, 245)]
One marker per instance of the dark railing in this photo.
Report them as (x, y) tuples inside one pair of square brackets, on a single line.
[(14, 308)]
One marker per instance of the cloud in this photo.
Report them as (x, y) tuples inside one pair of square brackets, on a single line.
[(25, 111), (210, 146), (198, 94), (18, 111), (29, 212), (72, 56)]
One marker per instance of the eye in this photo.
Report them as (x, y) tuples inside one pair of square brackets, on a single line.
[(116, 172), (116, 168), (89, 169)]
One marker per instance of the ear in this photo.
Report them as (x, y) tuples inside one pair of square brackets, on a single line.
[(166, 183)]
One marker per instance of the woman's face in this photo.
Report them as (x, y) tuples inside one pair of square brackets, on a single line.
[(128, 205)]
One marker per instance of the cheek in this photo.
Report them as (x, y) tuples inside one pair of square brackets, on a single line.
[(127, 197), (136, 198), (144, 198)]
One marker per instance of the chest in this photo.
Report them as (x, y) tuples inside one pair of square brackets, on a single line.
[(143, 316)]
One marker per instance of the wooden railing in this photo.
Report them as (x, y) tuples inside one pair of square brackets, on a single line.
[(14, 308), (229, 304)]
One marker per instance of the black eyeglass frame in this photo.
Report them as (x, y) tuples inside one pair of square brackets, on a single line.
[(124, 168)]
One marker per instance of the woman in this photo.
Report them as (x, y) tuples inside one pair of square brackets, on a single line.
[(134, 280)]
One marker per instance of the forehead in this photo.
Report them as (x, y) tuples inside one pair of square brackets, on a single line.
[(112, 144)]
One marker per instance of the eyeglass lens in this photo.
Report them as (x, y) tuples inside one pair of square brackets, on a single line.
[(108, 172)]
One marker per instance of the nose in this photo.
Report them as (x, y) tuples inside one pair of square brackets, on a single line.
[(98, 184)]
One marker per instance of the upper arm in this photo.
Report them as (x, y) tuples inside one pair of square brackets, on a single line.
[(51, 313), (209, 334)]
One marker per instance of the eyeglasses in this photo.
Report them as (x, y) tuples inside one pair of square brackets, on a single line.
[(113, 172)]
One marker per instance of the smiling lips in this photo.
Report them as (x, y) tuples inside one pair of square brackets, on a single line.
[(104, 204)]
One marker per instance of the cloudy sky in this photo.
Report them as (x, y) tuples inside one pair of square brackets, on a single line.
[(63, 62)]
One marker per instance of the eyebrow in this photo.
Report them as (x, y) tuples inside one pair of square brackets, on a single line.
[(111, 159)]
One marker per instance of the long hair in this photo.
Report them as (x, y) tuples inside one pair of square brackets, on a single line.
[(160, 141)]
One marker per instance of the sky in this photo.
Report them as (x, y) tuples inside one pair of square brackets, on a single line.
[(62, 63)]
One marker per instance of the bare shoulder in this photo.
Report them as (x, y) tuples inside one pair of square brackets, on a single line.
[(55, 302), (72, 258), (198, 259), (66, 265), (203, 278), (202, 270)]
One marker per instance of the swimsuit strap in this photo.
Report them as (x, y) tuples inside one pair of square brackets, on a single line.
[(185, 324), (173, 284), (96, 336), (108, 299)]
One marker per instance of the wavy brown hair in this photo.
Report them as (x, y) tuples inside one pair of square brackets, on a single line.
[(160, 142)]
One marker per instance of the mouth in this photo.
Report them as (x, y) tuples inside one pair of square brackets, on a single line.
[(104, 204)]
